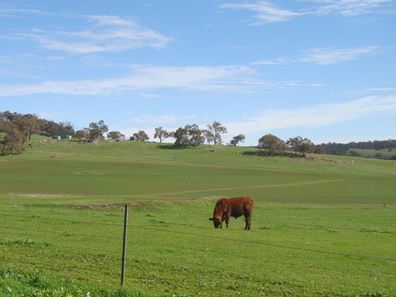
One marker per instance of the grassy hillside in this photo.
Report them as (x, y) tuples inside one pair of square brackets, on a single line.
[(324, 226), (380, 154)]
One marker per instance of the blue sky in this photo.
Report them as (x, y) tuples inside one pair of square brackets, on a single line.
[(322, 69)]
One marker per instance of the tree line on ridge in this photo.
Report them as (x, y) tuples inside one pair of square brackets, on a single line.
[(16, 130)]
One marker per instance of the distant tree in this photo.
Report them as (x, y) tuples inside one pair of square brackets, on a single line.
[(300, 145), (189, 135), (214, 132), (49, 128), (28, 124), (16, 129), (209, 136), (237, 139), (379, 156), (344, 148), (272, 144), (66, 127), (81, 135), (182, 137), (12, 138), (354, 153), (97, 130), (196, 135), (115, 136), (140, 136), (162, 134)]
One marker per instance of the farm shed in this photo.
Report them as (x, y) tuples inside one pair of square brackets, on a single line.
[(61, 135)]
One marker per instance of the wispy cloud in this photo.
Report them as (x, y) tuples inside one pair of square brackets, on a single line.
[(163, 119), (275, 61), (315, 116), (145, 77), (349, 7), (266, 12), (102, 34), (202, 78), (18, 12), (326, 56)]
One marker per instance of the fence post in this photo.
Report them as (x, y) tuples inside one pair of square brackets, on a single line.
[(124, 245)]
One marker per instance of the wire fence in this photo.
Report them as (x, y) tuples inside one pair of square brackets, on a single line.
[(67, 231)]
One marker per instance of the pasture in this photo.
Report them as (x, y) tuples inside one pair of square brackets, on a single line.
[(382, 154), (321, 227)]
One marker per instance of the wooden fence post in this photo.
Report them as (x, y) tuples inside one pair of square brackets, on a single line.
[(124, 245)]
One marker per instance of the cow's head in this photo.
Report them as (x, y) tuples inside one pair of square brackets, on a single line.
[(217, 222)]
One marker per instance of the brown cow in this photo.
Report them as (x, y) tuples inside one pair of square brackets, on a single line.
[(232, 207)]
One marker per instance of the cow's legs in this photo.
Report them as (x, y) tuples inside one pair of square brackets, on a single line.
[(227, 220), (247, 223)]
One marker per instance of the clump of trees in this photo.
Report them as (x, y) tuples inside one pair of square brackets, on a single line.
[(189, 135), (300, 145), (16, 129), (272, 144), (93, 134), (140, 136), (192, 135), (295, 146), (49, 128), (333, 148), (96, 131)]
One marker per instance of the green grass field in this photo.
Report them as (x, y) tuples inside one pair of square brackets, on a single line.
[(323, 227), (384, 153)]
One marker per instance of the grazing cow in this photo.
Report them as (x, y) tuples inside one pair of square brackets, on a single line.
[(232, 207)]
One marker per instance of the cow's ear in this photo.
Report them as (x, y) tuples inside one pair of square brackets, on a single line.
[(210, 219)]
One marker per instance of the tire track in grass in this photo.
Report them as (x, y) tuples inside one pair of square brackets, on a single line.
[(150, 195), (304, 183)]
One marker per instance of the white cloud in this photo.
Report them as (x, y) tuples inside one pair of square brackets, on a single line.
[(265, 12), (164, 119), (203, 78), (326, 56), (144, 77), (17, 12), (314, 116), (349, 7), (275, 61), (105, 34)]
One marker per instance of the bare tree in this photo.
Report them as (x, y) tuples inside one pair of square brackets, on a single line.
[(209, 136), (162, 134), (214, 132)]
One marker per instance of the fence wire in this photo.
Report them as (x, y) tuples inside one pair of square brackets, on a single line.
[(55, 229)]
